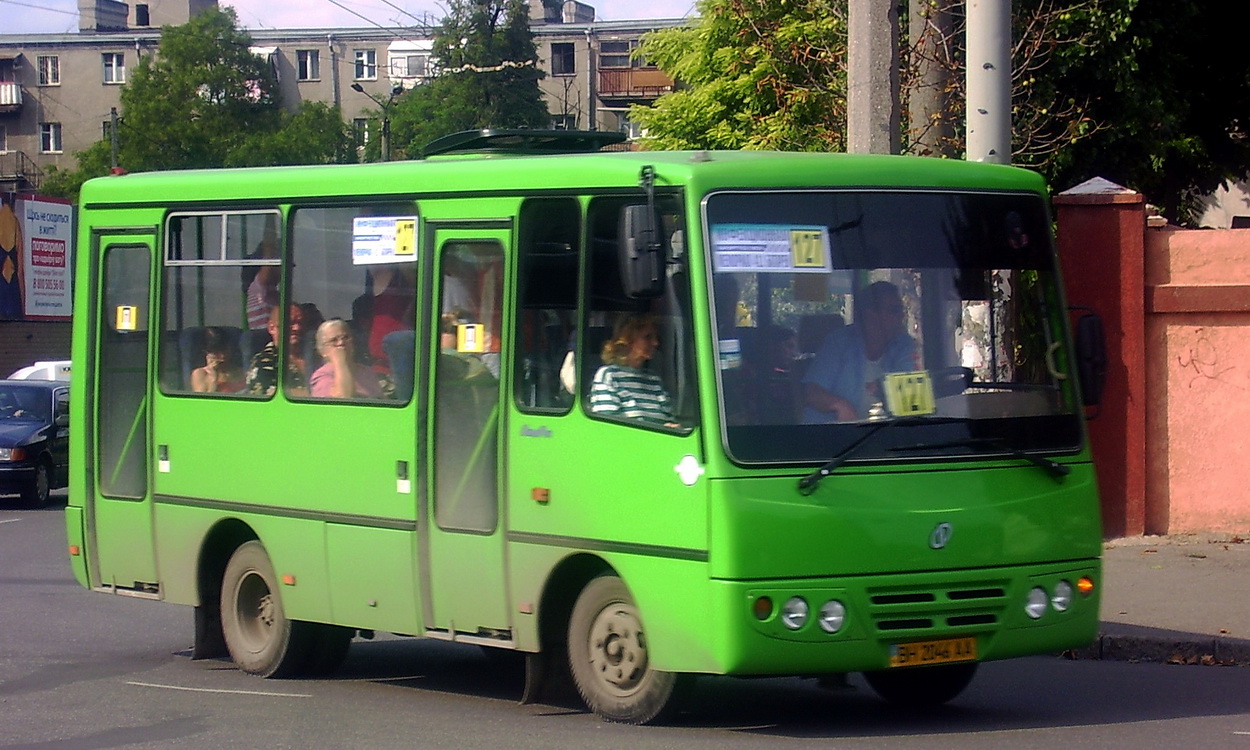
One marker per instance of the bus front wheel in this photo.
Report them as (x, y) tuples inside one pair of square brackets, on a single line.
[(922, 687), (260, 638), (608, 656)]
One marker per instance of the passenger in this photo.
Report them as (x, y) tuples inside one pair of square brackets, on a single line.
[(262, 374), (844, 380), (341, 376), (621, 387), (219, 374), (774, 398), (262, 290)]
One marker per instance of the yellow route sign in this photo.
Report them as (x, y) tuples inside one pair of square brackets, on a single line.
[(909, 393)]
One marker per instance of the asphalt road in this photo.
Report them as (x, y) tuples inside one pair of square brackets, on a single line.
[(87, 671)]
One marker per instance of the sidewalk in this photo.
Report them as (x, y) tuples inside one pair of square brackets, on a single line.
[(1181, 599)]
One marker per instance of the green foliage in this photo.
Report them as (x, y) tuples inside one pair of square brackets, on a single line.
[(207, 101), (316, 134), (756, 74), (487, 76), (201, 98)]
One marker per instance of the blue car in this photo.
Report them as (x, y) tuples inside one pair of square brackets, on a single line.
[(34, 438)]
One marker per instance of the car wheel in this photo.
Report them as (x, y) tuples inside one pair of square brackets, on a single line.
[(35, 495), (259, 637)]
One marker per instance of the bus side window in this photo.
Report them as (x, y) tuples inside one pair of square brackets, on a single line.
[(546, 302), (206, 310)]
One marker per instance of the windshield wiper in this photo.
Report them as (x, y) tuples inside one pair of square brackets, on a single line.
[(1055, 469), (807, 485)]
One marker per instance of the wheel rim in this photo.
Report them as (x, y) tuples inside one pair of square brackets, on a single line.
[(42, 484), (618, 649), (256, 611)]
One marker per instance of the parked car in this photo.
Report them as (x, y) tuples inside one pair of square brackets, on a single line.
[(34, 438)]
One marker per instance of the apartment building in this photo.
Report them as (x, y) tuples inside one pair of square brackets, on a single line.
[(58, 91)]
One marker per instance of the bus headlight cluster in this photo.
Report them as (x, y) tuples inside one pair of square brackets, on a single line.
[(795, 613), (1059, 598)]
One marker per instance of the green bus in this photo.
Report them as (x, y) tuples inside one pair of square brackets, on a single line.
[(639, 416)]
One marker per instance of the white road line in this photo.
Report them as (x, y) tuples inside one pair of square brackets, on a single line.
[(10, 520), (1243, 733), (210, 690)]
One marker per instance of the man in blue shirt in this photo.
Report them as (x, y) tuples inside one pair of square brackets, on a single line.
[(844, 380)]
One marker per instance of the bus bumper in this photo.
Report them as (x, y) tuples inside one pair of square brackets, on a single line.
[(908, 619)]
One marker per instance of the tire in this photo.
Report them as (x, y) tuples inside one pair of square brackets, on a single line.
[(260, 638), (608, 656), (35, 494), (922, 687)]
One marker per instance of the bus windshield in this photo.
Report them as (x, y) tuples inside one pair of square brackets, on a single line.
[(836, 310)]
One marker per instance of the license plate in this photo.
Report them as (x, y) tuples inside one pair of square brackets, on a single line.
[(933, 652)]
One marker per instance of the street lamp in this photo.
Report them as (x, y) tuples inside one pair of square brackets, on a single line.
[(396, 90)]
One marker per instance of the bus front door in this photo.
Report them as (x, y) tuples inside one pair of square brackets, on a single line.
[(464, 530), (118, 498)]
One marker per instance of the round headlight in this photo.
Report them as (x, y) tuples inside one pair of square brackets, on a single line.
[(1036, 605), (832, 616), (1062, 598), (794, 612)]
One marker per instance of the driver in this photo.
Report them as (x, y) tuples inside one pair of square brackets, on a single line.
[(844, 380)]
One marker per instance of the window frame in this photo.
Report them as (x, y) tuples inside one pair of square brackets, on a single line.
[(567, 53), (51, 138), (49, 67), (114, 68), (366, 61), (308, 65)]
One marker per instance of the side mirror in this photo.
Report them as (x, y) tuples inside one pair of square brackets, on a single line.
[(641, 252), (1091, 357)]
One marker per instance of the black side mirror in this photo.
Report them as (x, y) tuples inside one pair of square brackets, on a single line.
[(1091, 357), (641, 252)]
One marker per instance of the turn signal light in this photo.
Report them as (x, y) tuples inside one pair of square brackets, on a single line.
[(1085, 585), (762, 608)]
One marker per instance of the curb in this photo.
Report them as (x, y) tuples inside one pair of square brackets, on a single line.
[(1211, 652)]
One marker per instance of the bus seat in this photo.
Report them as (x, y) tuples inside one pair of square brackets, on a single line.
[(191, 348)]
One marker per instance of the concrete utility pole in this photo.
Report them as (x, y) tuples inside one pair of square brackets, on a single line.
[(989, 81), (872, 117)]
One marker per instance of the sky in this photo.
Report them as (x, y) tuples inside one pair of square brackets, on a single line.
[(59, 16)]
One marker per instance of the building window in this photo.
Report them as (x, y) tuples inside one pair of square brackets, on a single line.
[(615, 54), (49, 70), (50, 137), (360, 131), (4, 139), (114, 67), (409, 66), (563, 62), (309, 64), (564, 122), (366, 65)]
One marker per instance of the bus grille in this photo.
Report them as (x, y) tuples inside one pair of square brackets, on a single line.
[(913, 611)]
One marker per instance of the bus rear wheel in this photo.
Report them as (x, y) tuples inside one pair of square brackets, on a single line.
[(922, 687), (260, 638), (608, 656)]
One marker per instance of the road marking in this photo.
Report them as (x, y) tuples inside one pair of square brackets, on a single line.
[(10, 520), (212, 690)]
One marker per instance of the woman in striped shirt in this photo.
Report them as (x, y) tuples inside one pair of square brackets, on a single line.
[(621, 387)]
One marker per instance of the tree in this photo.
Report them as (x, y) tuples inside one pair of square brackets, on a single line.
[(486, 76), (1149, 93), (755, 74), (205, 101)]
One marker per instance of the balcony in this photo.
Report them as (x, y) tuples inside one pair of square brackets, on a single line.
[(633, 84), (10, 96)]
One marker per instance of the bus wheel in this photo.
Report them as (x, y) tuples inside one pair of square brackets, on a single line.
[(260, 638), (922, 687), (608, 656)]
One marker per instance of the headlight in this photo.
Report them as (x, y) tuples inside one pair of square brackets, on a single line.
[(12, 454), (1062, 598), (1035, 607), (794, 612), (832, 616)]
